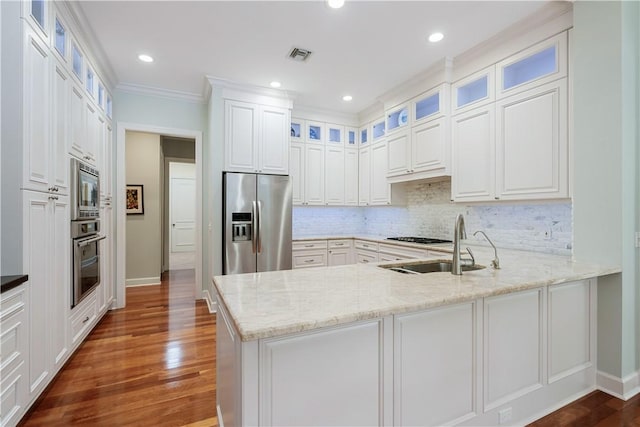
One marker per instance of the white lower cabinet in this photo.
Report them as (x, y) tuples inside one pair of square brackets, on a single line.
[(425, 392), (460, 364), (47, 260), (14, 354), (339, 252), (82, 318), (309, 253)]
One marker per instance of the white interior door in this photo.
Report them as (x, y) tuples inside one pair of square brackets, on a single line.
[(182, 206)]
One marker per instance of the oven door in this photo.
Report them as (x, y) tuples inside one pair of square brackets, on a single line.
[(86, 267)]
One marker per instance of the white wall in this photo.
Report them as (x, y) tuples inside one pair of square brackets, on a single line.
[(144, 232), (430, 213), (606, 187)]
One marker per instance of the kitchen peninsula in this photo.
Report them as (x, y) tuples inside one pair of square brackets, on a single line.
[(363, 345)]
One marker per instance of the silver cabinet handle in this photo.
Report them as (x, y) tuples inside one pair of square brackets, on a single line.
[(308, 246), (339, 244), (309, 260), (365, 261)]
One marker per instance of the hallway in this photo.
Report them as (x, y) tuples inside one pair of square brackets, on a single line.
[(151, 363)]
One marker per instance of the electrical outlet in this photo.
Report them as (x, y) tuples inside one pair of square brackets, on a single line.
[(505, 415)]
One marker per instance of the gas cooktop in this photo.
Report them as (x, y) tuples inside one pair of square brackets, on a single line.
[(423, 240)]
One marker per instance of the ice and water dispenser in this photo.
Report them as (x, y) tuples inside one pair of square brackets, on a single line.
[(241, 226)]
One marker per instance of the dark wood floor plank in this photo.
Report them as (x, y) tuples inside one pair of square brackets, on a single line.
[(152, 363)]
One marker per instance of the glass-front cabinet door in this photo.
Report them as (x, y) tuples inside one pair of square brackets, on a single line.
[(297, 130), (351, 137), (315, 132), (77, 61), (37, 13), (397, 118), (364, 135), (60, 38), (378, 129), (474, 91), (335, 134)]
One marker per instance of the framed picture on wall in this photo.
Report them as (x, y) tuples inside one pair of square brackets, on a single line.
[(135, 201)]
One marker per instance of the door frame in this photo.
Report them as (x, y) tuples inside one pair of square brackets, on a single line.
[(121, 217)]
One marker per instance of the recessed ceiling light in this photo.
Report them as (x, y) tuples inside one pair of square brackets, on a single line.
[(335, 4), (275, 84), (347, 98), (145, 58), (436, 37)]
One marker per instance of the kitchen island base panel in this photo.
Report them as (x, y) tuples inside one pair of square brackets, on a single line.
[(438, 366)]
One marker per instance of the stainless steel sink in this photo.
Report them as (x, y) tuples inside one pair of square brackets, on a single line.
[(435, 266)]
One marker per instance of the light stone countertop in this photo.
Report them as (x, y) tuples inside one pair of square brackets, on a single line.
[(276, 303)]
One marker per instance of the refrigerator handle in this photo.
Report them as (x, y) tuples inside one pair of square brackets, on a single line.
[(254, 238), (259, 226)]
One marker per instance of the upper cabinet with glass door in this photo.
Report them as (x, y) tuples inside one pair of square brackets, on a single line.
[(109, 106), (60, 38), (364, 135), (430, 105), (90, 82), (378, 130), (297, 130), (315, 132), (77, 61), (335, 134), (351, 137), (473, 91), (537, 65), (397, 118), (37, 13)]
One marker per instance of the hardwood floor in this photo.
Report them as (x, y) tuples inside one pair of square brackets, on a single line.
[(595, 409), (149, 364)]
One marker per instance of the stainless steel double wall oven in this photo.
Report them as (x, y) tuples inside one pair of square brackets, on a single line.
[(85, 230)]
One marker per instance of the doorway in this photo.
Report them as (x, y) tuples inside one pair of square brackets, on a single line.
[(122, 218), (181, 230)]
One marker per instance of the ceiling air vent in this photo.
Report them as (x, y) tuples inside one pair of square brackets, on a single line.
[(299, 55)]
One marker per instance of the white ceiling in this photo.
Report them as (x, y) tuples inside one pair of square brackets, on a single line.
[(364, 49)]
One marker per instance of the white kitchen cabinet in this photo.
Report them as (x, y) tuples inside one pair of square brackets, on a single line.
[(424, 342), (314, 170), (92, 129), (38, 15), (473, 157), (101, 150), (430, 105), (473, 91), (14, 353), (78, 123), (351, 137), (397, 119), (108, 258), (297, 376), (315, 132), (256, 138), (364, 256), (107, 174), (535, 66), (531, 144), (388, 252), (82, 317), (335, 134), (351, 177), (364, 176), (380, 187), (309, 253), (46, 259), (59, 282), (378, 130), (60, 131), (364, 135), (297, 130), (430, 147), (38, 171), (399, 153), (513, 326), (340, 252), (296, 171), (334, 187)]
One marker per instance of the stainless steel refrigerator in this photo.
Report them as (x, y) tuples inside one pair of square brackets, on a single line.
[(257, 222)]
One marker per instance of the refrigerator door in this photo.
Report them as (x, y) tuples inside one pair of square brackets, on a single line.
[(240, 205), (274, 222)]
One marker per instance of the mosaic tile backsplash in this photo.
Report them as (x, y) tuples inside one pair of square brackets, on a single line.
[(541, 227)]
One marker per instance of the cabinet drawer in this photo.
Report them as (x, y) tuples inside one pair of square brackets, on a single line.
[(13, 301), (364, 244), (13, 390), (365, 257), (339, 244), (83, 317), (305, 259), (309, 244), (401, 252)]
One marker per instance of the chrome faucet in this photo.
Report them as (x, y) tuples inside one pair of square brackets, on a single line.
[(496, 261), (457, 262)]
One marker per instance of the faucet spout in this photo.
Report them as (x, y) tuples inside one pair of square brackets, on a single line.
[(496, 260), (459, 232)]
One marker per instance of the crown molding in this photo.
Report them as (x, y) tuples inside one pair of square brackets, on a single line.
[(174, 95), (325, 115), (243, 87), (86, 38), (371, 113)]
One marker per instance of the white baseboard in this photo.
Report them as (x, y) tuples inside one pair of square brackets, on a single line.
[(622, 388), (210, 302), (142, 281)]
